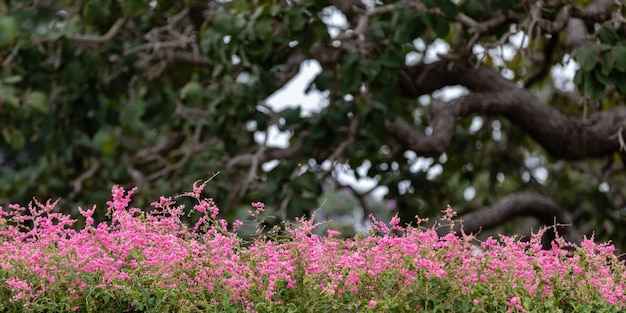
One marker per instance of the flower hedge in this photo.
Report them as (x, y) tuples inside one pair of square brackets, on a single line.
[(151, 261)]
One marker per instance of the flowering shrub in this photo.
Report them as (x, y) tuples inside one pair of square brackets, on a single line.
[(151, 261)]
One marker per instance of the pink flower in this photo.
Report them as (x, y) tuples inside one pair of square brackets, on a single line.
[(395, 223), (207, 205), (515, 302), (378, 226), (259, 206), (236, 224), (87, 214), (197, 189), (159, 244), (448, 214), (332, 233), (120, 201)]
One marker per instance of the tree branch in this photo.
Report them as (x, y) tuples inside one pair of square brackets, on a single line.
[(77, 184), (596, 11), (246, 160), (563, 137), (86, 39), (516, 205)]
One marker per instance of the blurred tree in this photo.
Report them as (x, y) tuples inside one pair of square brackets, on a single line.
[(161, 93)]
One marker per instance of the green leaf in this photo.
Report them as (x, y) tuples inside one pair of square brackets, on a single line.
[(320, 32), (291, 115), (9, 32), (440, 26), (92, 60), (592, 87), (378, 29), (578, 78), (9, 97), (397, 14), (299, 204), (449, 8), (106, 298), (259, 52), (263, 28), (103, 141), (324, 80), (14, 79), (409, 27), (268, 82), (377, 118), (370, 69), (619, 55), (620, 82), (38, 101), (131, 115), (297, 19), (101, 12), (223, 22), (316, 32), (351, 59), (350, 76), (586, 56), (401, 35), (602, 78), (334, 116), (429, 19), (257, 13), (319, 131), (131, 7), (394, 58), (209, 41), (608, 60), (192, 91), (350, 80), (13, 137), (305, 182), (608, 34)]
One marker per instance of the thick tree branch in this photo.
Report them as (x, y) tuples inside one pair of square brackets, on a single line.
[(596, 11), (430, 77), (420, 143), (576, 33), (563, 137)]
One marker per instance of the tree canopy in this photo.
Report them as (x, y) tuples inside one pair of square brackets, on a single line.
[(159, 94)]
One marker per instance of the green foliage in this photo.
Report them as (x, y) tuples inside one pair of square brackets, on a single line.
[(160, 101), (602, 65)]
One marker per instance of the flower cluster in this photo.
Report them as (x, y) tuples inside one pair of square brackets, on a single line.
[(140, 259)]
